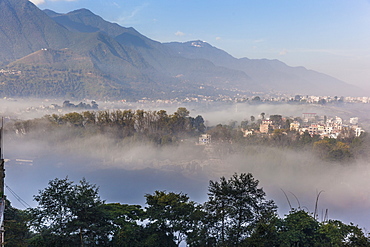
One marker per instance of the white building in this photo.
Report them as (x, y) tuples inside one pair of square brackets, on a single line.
[(353, 120), (205, 139)]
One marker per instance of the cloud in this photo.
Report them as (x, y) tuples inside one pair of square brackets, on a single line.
[(283, 52), (218, 38), (116, 5), (133, 13), (258, 40), (178, 33)]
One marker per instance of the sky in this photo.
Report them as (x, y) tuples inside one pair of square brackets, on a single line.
[(330, 36)]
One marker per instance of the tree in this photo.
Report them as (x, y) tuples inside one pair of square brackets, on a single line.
[(198, 124), (256, 99), (89, 221), (235, 206), (68, 214), (265, 233), (124, 220), (223, 133), (89, 118), (277, 120), (244, 124), (73, 119), (299, 229), (332, 150), (17, 231), (322, 101), (182, 112), (336, 233), (305, 139), (170, 213)]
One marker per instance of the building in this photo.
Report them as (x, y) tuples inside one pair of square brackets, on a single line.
[(295, 125), (313, 129), (248, 132), (358, 131), (204, 139), (353, 120), (265, 126), (309, 117)]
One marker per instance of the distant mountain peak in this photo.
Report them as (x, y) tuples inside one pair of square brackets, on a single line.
[(104, 59), (198, 43), (82, 11)]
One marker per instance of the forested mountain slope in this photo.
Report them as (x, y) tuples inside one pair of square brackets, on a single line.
[(90, 57)]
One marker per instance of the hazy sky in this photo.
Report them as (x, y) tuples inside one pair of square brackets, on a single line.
[(330, 36)]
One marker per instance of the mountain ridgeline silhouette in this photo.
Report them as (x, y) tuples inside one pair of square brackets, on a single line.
[(79, 54)]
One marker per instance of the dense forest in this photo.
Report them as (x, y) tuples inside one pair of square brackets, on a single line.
[(237, 213)]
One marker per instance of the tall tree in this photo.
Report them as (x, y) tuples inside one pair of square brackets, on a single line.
[(170, 213), (236, 205), (124, 220), (299, 229), (68, 214), (17, 231)]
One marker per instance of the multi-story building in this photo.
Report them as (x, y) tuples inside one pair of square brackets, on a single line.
[(265, 125), (295, 125)]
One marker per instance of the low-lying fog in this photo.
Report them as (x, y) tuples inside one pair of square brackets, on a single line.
[(125, 173)]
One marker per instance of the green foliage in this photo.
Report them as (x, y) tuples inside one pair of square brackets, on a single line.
[(332, 150), (17, 232), (342, 149), (236, 214), (224, 133), (277, 120), (299, 229), (123, 219), (42, 81), (161, 128), (170, 213), (69, 214), (155, 126), (265, 233), (335, 233), (235, 206)]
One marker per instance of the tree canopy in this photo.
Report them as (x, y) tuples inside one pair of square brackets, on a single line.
[(236, 214)]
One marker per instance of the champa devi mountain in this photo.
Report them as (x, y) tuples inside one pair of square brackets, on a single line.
[(78, 54)]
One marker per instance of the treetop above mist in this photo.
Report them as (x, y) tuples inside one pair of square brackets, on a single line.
[(161, 128)]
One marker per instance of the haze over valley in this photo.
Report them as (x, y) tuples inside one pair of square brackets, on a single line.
[(121, 167), (135, 101)]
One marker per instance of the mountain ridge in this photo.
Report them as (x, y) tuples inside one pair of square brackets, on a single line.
[(274, 73), (127, 64)]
